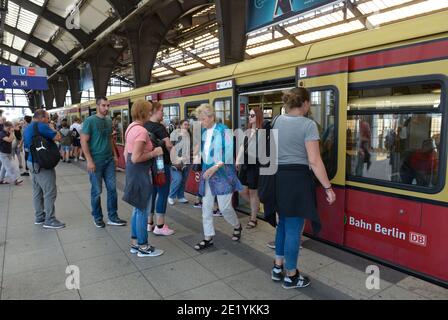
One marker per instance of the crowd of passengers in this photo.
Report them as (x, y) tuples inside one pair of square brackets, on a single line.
[(157, 167)]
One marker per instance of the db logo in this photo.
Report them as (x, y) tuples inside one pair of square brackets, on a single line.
[(417, 238), (197, 176)]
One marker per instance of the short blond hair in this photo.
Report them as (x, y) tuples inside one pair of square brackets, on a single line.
[(141, 110), (205, 110)]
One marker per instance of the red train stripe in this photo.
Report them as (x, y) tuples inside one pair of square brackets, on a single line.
[(404, 55)]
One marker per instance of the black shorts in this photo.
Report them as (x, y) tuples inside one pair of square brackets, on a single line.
[(77, 142), (249, 176)]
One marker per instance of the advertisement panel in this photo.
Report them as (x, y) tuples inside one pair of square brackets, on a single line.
[(262, 13)]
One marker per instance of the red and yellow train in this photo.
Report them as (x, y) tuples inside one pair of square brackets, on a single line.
[(380, 100)]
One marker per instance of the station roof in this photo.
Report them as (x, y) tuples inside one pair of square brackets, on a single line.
[(36, 32)]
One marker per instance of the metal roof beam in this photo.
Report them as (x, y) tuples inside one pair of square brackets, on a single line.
[(166, 66), (40, 43), (288, 35), (122, 8), (196, 57), (23, 55), (83, 38)]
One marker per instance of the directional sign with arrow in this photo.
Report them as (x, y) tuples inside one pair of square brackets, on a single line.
[(25, 78)]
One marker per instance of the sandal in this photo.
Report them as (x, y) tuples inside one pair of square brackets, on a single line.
[(4, 182), (251, 224), (236, 236), (204, 244)]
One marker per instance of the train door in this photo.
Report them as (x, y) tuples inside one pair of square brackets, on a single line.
[(328, 102), (269, 99), (192, 185)]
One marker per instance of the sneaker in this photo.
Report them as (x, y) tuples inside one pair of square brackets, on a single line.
[(217, 213), (18, 182), (55, 224), (25, 174), (99, 224), (165, 231), (183, 200), (277, 273), (150, 227), (198, 205), (117, 222), (170, 201), (149, 251), (76, 160), (82, 159), (296, 281), (134, 249), (68, 161), (39, 221), (271, 244)]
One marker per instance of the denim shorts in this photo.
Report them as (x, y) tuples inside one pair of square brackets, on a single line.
[(66, 148)]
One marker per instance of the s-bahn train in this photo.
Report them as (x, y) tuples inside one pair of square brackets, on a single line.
[(379, 98)]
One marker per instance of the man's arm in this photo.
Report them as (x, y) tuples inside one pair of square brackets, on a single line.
[(85, 148)]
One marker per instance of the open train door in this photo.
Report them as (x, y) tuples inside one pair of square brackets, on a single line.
[(327, 82)]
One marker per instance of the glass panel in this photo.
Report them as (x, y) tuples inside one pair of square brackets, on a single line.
[(426, 96), (322, 111), (125, 119), (401, 148), (117, 126), (223, 112)]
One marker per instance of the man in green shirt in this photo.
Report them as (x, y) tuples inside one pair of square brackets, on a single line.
[(97, 144)]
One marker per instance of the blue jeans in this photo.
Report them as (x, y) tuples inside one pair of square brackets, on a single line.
[(139, 223), (104, 170), (160, 194), (178, 180), (287, 240)]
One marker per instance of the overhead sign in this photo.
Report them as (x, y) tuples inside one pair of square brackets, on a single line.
[(2, 95), (26, 78), (262, 13)]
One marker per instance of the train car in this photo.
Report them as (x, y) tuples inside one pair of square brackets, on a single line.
[(379, 98)]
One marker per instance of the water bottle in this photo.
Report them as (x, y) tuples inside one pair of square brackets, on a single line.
[(159, 164)]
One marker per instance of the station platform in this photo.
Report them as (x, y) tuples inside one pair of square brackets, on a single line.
[(33, 260)]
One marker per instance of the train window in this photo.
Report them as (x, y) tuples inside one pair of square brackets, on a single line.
[(190, 108), (394, 135), (223, 110), (323, 112), (125, 119), (117, 126), (171, 114)]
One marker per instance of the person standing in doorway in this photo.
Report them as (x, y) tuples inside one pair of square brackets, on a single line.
[(97, 145)]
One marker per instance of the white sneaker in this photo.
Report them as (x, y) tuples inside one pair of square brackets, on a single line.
[(183, 200), (170, 201)]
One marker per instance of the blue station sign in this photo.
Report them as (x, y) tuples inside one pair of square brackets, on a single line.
[(262, 13), (26, 78)]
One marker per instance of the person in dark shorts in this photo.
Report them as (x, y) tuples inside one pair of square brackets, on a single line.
[(249, 169)]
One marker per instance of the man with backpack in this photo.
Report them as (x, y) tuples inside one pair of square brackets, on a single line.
[(40, 139)]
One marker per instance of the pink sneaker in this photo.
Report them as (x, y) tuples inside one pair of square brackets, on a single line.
[(165, 231)]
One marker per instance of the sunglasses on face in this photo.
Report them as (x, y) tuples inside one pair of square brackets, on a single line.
[(252, 115)]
